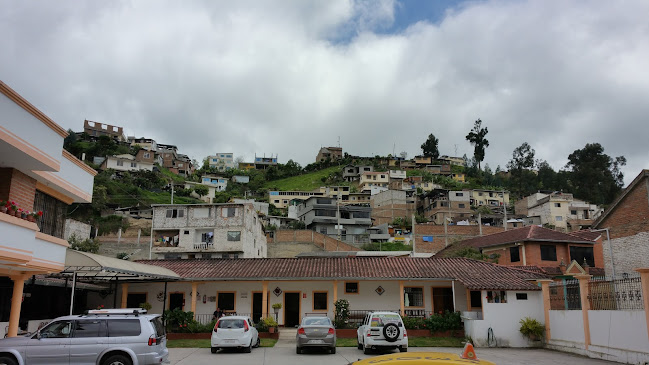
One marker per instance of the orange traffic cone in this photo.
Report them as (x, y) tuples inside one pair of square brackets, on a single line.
[(469, 352)]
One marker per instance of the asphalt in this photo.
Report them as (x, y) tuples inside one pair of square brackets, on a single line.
[(285, 354)]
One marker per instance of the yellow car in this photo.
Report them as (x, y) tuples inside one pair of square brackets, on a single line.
[(427, 358)]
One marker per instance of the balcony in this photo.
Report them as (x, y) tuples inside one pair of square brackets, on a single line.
[(204, 246), (27, 250), (75, 179)]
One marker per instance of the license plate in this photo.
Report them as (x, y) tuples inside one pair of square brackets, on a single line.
[(316, 342), (229, 341)]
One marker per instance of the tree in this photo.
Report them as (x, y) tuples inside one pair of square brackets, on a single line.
[(87, 245), (477, 138), (595, 176), (201, 190), (430, 147), (522, 180), (473, 253)]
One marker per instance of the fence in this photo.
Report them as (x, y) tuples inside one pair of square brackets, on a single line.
[(565, 295), (207, 318), (617, 294)]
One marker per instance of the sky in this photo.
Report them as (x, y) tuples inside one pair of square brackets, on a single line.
[(377, 77)]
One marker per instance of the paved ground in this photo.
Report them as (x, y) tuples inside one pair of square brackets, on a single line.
[(345, 355)]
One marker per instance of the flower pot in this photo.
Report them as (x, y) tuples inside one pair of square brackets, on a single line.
[(31, 218), (271, 329), (17, 214), (3, 209)]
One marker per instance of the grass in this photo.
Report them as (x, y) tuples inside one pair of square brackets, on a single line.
[(305, 182), (205, 343), (413, 342)]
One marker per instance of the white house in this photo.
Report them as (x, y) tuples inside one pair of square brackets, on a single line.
[(219, 183), (221, 161), (125, 162)]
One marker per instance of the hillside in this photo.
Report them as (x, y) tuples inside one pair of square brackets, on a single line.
[(307, 182)]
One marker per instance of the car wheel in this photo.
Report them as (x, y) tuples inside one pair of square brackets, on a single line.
[(257, 343), (248, 349), (298, 350), (214, 349), (333, 350), (403, 349), (391, 332), (117, 360), (358, 344), (367, 350), (7, 361)]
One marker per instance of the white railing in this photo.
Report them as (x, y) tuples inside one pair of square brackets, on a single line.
[(203, 245)]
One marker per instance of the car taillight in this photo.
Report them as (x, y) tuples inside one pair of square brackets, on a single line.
[(153, 341), (245, 326), (369, 334), (405, 334), (216, 326), (300, 331), (331, 331)]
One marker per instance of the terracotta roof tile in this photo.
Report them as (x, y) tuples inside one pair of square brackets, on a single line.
[(475, 275)]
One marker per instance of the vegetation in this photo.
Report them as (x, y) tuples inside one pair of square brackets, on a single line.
[(438, 322), (429, 147), (341, 315), (265, 323), (531, 328), (473, 253), (87, 245), (308, 181), (477, 138)]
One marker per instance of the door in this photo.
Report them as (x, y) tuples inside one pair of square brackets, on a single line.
[(291, 309), (443, 300), (176, 300), (88, 340), (257, 307), (133, 300), (53, 346)]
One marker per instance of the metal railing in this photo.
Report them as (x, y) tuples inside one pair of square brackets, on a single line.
[(565, 295), (618, 294), (357, 316), (207, 318)]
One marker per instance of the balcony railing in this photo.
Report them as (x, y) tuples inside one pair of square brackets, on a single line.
[(203, 245)]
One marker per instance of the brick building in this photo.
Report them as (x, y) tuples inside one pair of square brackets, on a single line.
[(627, 221), (95, 129), (431, 238)]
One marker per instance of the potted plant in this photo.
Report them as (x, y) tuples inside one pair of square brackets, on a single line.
[(146, 305), (11, 208), (277, 307), (532, 329), (3, 206), (36, 216), (270, 323)]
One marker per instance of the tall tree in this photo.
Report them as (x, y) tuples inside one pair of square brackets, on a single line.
[(547, 177), (430, 147), (477, 138), (522, 180), (595, 176)]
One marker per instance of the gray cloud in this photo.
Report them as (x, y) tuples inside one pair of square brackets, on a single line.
[(260, 77)]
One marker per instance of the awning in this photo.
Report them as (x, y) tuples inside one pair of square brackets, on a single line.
[(97, 267)]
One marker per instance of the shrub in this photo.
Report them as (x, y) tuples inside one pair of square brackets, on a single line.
[(341, 318), (146, 305), (265, 323), (447, 321), (531, 328), (177, 320), (414, 323)]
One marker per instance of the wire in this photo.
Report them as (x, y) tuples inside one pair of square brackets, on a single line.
[(491, 339)]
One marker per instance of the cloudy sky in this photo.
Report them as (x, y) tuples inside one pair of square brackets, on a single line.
[(289, 76)]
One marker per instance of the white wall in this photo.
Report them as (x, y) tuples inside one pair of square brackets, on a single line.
[(619, 329), (503, 319), (567, 326)]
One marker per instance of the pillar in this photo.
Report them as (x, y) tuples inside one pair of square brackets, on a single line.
[(335, 292), (124, 295), (16, 304), (644, 276), (194, 287), (401, 300), (585, 305), (264, 299), (545, 289)]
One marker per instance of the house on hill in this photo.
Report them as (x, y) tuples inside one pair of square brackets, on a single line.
[(539, 249), (627, 222)]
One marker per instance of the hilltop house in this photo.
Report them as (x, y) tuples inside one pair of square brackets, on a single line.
[(323, 215), (559, 210), (331, 153)]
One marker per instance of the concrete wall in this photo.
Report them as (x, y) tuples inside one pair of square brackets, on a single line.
[(79, 229), (567, 326), (503, 319), (625, 330), (629, 252), (292, 249)]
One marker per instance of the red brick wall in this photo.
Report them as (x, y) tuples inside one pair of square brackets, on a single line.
[(533, 255), (631, 215), (455, 233), (18, 187), (323, 241)]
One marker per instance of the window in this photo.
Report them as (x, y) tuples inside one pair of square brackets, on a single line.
[(229, 212), (89, 328), (558, 218), (443, 300), (133, 164), (580, 254), (476, 299), (120, 163), (514, 254), (521, 296), (557, 205), (414, 297), (351, 287), (147, 155), (325, 213), (344, 215), (548, 253), (573, 212), (459, 194), (461, 205), (175, 213), (361, 214), (320, 301), (323, 230), (59, 329), (323, 201), (133, 300), (234, 235), (226, 301)]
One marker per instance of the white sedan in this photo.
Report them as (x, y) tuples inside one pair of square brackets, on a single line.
[(234, 332)]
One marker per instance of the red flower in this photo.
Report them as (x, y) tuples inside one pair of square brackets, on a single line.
[(40, 213)]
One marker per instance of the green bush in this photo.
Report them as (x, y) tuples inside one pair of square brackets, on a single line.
[(265, 323), (341, 316), (531, 328), (414, 323), (178, 320), (447, 321)]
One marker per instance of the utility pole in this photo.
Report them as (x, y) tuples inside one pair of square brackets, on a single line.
[(172, 192), (414, 236), (505, 210), (338, 215)]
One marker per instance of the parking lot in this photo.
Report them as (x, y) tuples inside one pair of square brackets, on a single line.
[(346, 355)]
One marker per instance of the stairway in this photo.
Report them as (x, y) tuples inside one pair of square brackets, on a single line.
[(286, 337)]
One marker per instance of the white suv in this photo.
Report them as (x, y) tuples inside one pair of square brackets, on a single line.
[(382, 330)]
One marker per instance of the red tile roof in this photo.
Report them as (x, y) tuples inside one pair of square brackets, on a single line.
[(586, 234), (475, 275), (524, 234)]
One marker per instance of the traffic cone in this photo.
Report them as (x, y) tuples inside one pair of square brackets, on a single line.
[(469, 352)]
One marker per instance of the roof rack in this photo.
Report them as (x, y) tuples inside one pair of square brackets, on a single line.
[(118, 311)]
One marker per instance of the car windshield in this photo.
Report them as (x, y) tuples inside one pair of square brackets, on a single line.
[(316, 322), (231, 323), (380, 320), (158, 326)]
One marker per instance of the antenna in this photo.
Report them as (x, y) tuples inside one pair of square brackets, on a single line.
[(394, 146), (455, 150), (338, 141)]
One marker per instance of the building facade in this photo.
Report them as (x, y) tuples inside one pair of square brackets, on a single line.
[(370, 180), (282, 199), (95, 129), (125, 162), (326, 216), (560, 210), (262, 163), (354, 172), (331, 153), (36, 175), (207, 231), (222, 161)]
